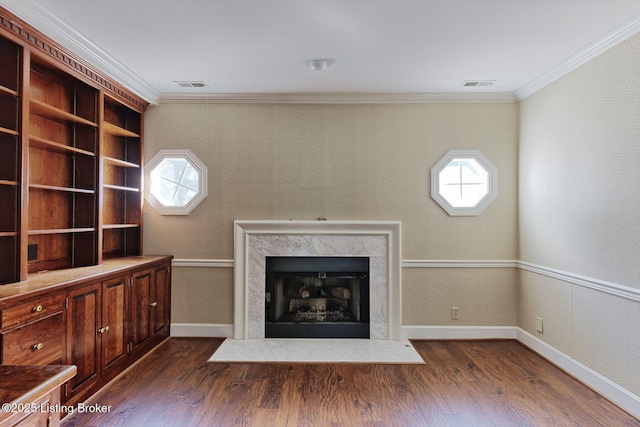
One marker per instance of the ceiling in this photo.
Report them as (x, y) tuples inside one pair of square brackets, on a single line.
[(375, 47)]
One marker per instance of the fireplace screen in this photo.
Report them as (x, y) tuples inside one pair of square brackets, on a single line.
[(317, 297)]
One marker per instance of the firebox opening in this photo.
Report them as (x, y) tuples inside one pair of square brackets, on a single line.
[(317, 297)]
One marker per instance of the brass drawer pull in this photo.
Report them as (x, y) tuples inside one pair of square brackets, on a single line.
[(37, 346), (153, 304), (37, 309)]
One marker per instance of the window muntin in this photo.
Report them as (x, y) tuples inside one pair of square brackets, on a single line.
[(463, 183), (177, 182)]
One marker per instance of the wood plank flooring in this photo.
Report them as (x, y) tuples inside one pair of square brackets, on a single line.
[(464, 383)]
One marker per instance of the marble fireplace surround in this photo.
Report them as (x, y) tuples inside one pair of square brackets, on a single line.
[(378, 240)]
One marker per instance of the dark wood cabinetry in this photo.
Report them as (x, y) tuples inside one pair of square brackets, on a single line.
[(83, 351), (99, 318)]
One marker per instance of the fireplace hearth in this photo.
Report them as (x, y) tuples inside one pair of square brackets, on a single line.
[(317, 297)]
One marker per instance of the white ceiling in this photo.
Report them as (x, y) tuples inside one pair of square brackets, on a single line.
[(259, 47)]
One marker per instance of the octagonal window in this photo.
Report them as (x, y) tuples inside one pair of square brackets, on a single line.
[(463, 183), (177, 182)]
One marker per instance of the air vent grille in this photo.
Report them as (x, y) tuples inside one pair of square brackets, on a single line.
[(190, 84), (478, 83)]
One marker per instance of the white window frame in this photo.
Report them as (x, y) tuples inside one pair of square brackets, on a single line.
[(492, 185), (202, 181)]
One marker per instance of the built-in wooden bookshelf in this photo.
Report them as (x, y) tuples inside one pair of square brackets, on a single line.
[(10, 155), (122, 180), (70, 159), (63, 137)]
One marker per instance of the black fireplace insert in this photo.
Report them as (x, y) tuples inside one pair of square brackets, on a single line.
[(317, 297)]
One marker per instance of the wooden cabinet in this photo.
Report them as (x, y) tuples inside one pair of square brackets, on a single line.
[(99, 318), (83, 350), (32, 332), (71, 159), (110, 324), (161, 300), (141, 284), (115, 319), (150, 301)]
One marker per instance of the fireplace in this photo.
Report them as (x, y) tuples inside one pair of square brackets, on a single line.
[(317, 297), (257, 240)]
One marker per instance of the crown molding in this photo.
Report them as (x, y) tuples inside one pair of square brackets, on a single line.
[(47, 22), (610, 39), (336, 98)]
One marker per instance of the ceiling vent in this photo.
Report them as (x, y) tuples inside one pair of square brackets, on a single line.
[(191, 84), (478, 83)]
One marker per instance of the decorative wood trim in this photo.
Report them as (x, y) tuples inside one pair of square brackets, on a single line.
[(612, 391), (407, 263), (337, 98), (446, 263), (459, 332), (606, 42), (209, 330), (209, 263), (44, 45), (587, 282)]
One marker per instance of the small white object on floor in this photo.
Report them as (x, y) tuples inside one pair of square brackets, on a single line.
[(316, 350)]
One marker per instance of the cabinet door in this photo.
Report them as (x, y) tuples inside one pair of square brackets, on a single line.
[(83, 341), (141, 283), (160, 299), (114, 321)]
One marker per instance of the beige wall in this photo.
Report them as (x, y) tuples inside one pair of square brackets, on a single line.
[(281, 161), (579, 201)]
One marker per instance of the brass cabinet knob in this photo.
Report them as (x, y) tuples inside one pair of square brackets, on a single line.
[(106, 328), (153, 304), (103, 329), (37, 346), (37, 309)]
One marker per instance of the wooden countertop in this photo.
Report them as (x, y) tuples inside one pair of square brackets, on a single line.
[(58, 278), (23, 385)]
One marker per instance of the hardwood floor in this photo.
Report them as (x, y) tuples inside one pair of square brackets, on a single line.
[(464, 383)]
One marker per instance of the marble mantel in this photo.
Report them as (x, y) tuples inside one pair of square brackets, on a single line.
[(378, 240)]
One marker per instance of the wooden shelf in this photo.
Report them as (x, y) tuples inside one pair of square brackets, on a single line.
[(9, 131), (9, 183), (56, 188), (8, 233), (60, 231), (45, 110), (121, 163), (118, 226), (44, 143), (121, 188), (5, 91), (118, 131)]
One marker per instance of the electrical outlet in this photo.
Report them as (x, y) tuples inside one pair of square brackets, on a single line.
[(32, 252), (539, 324), (454, 312)]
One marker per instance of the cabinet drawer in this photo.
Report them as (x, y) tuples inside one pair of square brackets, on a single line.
[(38, 343), (30, 311)]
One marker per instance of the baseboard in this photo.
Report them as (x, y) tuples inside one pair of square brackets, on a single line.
[(209, 330), (612, 391), (459, 332)]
